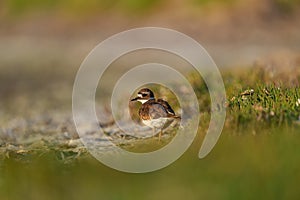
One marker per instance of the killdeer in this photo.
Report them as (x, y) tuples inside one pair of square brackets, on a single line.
[(154, 113)]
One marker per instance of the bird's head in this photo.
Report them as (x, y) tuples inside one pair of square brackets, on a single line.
[(144, 95)]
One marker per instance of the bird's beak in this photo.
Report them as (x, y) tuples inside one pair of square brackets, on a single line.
[(135, 99)]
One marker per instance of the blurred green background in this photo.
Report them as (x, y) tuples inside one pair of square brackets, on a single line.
[(42, 46)]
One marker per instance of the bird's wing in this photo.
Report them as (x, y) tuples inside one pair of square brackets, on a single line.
[(157, 111), (166, 105)]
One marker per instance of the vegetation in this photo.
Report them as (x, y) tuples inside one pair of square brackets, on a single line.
[(256, 156), (266, 97), (90, 8)]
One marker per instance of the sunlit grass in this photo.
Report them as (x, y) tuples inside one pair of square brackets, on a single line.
[(270, 104)]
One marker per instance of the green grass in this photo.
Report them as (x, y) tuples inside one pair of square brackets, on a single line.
[(240, 167), (269, 104), (76, 7), (263, 97), (256, 98)]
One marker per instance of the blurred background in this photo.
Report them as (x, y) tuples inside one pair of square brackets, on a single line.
[(233, 31), (42, 44)]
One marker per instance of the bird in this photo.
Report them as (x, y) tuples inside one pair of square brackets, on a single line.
[(154, 113)]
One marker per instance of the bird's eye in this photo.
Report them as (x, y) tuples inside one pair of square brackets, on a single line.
[(144, 95)]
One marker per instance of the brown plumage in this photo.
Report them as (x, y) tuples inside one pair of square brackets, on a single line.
[(154, 113)]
